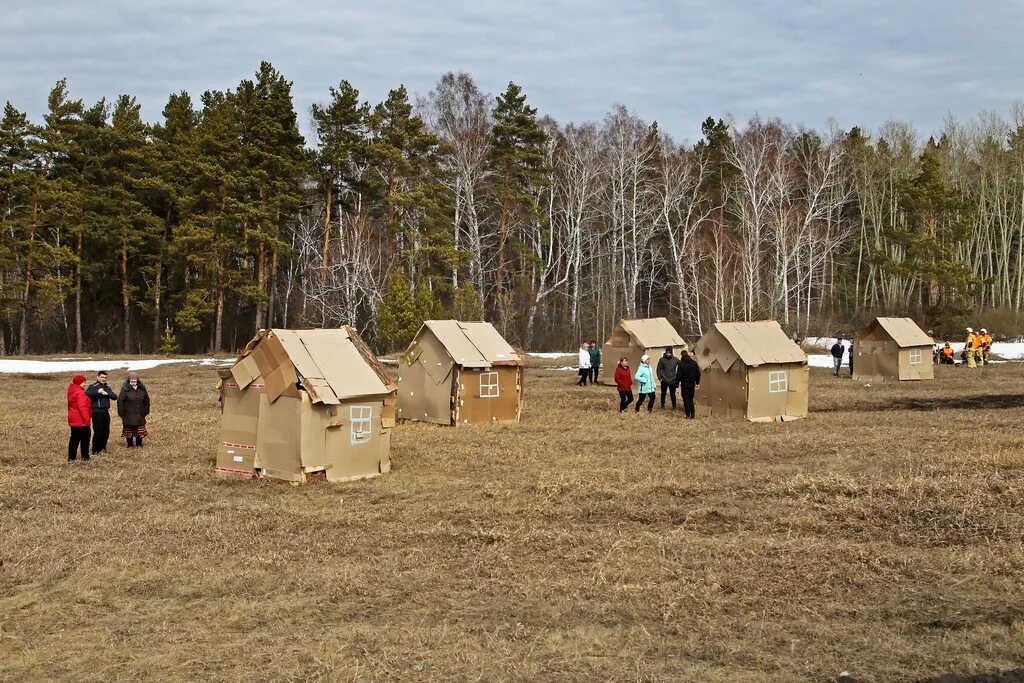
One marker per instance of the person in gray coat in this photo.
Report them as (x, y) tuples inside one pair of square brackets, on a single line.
[(668, 368)]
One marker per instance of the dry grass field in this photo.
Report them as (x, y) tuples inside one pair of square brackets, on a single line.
[(883, 535)]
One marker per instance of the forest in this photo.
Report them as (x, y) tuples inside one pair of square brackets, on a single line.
[(189, 233)]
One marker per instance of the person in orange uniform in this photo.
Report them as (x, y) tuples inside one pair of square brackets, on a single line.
[(972, 344), (986, 345), (946, 355)]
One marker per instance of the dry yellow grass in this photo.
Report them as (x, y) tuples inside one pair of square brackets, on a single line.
[(883, 535)]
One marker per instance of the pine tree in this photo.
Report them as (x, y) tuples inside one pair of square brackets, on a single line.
[(518, 163), (341, 152), (16, 182), (397, 316), (428, 307), (467, 303)]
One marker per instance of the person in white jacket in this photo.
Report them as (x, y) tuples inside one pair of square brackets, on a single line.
[(584, 364)]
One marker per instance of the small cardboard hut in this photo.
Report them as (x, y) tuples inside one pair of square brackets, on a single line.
[(633, 339), (892, 348), (751, 370), (302, 401), (459, 373)]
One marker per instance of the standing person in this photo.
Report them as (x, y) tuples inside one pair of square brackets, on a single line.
[(970, 345), (595, 361), (79, 416), (849, 355), (689, 381), (101, 395), (624, 383), (935, 347), (668, 368), (133, 407), (986, 345), (584, 364), (645, 384), (837, 356)]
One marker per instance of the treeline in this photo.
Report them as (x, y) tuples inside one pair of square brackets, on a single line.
[(191, 233)]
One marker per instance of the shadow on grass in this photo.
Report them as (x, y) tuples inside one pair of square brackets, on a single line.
[(978, 402)]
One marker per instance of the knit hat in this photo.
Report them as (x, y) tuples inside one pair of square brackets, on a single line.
[(78, 379), (645, 358)]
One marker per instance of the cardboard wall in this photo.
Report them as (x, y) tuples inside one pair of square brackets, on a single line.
[(278, 438), (348, 458), (239, 419), (472, 408), (766, 405), (425, 379), (916, 371), (722, 394), (882, 360)]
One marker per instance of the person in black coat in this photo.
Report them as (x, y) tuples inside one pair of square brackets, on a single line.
[(688, 376), (667, 369), (133, 407), (101, 394)]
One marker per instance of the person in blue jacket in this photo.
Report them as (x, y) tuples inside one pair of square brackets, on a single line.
[(645, 384)]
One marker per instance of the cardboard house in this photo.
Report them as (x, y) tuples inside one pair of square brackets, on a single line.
[(751, 370), (633, 339), (459, 373), (298, 402), (892, 348)]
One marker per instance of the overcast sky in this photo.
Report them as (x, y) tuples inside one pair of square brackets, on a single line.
[(677, 61)]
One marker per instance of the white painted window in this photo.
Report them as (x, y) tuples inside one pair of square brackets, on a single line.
[(360, 419), (488, 385), (778, 381), (915, 356)]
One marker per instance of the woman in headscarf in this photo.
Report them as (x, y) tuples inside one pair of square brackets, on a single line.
[(133, 409)]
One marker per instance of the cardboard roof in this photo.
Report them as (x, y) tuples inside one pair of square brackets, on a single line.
[(756, 343), (904, 331), (473, 345), (329, 363), (652, 332)]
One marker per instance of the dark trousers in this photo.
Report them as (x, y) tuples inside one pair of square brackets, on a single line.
[(666, 387), (584, 374), (625, 398), (593, 373), (134, 441), (100, 431), (79, 440), (687, 389), (640, 402)]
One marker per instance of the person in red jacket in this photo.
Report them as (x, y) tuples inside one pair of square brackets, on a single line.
[(79, 418), (624, 383)]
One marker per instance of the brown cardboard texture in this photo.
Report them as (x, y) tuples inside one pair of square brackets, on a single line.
[(892, 349), (633, 338), (753, 370), (459, 373), (325, 403)]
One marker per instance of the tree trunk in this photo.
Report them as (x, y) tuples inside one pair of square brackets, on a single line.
[(271, 280), (324, 258), (218, 325), (125, 302), (78, 294), (261, 275)]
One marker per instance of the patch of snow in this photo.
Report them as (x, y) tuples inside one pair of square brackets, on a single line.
[(1005, 350), (551, 355), (41, 367)]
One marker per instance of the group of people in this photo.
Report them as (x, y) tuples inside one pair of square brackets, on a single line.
[(89, 413), (839, 350), (672, 373), (590, 363), (977, 346)]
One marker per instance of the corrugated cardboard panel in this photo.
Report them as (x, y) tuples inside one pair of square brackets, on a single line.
[(278, 438), (799, 392), (435, 359), (264, 360), (505, 409), (245, 371), (760, 342), (905, 332), (280, 381), (457, 344), (713, 349), (652, 333), (350, 458), (342, 366), (764, 404), (321, 391), (313, 445), (489, 343), (298, 354), (239, 428)]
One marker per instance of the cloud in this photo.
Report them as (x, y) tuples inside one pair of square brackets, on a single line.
[(861, 62)]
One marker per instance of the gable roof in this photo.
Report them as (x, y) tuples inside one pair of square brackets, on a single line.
[(904, 331), (473, 344), (652, 332), (333, 365), (760, 342)]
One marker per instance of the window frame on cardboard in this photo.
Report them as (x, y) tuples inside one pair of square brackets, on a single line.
[(496, 385), (777, 378), (363, 417), (919, 356)]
